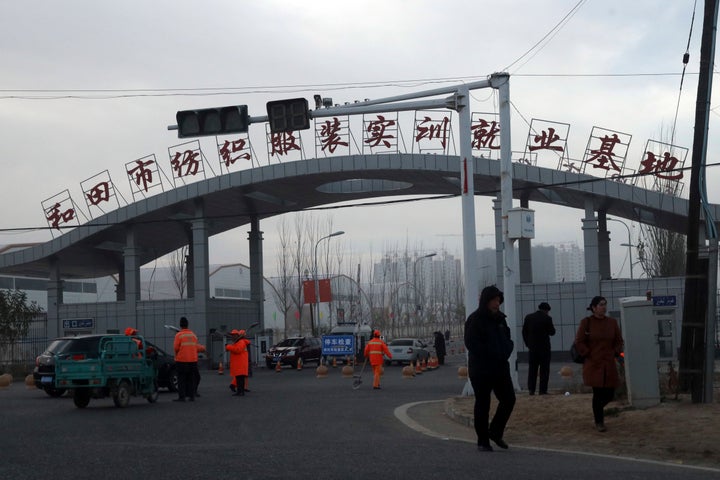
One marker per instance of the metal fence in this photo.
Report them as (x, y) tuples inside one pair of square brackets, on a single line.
[(21, 354)]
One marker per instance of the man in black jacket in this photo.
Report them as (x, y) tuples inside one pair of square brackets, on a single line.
[(536, 332), (489, 345)]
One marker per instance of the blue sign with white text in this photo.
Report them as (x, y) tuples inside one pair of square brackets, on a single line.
[(664, 301), (84, 323), (340, 345)]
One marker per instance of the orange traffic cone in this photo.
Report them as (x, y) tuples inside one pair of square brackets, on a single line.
[(299, 364), (278, 366), (221, 370), (423, 366), (418, 368)]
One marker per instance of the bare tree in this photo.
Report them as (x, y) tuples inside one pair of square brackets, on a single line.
[(661, 252), (285, 278), (178, 269)]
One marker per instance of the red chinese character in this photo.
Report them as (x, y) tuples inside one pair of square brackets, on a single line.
[(55, 217), (282, 143), (98, 193), (485, 135), (604, 154), (435, 130), (330, 138), (143, 176), (659, 168), (189, 161), (229, 148), (376, 129), (546, 139)]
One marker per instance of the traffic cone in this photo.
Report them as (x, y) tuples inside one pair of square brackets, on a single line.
[(423, 365), (299, 364), (278, 366), (221, 370), (418, 368)]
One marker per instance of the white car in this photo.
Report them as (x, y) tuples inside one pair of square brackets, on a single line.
[(405, 350)]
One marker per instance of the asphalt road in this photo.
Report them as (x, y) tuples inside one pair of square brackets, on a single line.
[(291, 425)]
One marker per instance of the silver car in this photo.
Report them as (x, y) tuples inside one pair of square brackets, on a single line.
[(405, 350)]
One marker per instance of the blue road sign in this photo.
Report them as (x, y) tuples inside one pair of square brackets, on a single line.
[(340, 345)]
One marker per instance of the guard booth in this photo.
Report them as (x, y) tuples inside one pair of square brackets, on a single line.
[(648, 327)]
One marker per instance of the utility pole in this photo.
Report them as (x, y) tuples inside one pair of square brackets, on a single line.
[(695, 314)]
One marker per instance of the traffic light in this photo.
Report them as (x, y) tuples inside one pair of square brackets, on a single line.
[(212, 121), (288, 115)]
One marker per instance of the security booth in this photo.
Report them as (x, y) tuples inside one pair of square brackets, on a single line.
[(648, 327), (261, 346)]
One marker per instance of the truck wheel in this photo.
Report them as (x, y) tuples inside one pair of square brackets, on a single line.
[(54, 392), (122, 396), (81, 397), (153, 397)]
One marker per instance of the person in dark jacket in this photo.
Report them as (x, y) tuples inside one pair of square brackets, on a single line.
[(536, 331), (440, 347), (489, 345)]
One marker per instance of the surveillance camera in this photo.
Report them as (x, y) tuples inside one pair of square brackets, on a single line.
[(327, 102)]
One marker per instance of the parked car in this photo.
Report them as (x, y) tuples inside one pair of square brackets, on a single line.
[(405, 350), (44, 371), (289, 350)]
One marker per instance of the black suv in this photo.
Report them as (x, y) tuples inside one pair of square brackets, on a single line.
[(289, 350), (44, 372)]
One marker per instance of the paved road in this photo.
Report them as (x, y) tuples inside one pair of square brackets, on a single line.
[(291, 425)]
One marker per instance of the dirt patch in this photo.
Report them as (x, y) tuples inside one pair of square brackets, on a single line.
[(675, 431)]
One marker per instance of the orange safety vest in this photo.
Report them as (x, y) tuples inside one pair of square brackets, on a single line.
[(186, 346), (375, 349)]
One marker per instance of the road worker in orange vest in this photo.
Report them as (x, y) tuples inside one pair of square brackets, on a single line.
[(131, 332), (186, 357), (239, 360), (376, 350)]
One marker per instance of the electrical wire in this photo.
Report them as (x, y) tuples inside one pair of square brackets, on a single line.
[(686, 59)]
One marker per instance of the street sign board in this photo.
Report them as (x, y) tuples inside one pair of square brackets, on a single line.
[(338, 345)]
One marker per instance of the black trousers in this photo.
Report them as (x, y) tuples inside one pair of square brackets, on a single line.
[(538, 361), (187, 373), (601, 397), (501, 384)]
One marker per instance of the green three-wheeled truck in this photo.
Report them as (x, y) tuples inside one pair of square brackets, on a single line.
[(119, 369)]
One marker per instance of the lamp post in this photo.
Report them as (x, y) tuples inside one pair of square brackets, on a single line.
[(415, 295), (317, 283), (629, 244)]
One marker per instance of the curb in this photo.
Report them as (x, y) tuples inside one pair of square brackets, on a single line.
[(457, 413)]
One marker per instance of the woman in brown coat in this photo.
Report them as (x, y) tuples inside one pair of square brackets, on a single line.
[(599, 340)]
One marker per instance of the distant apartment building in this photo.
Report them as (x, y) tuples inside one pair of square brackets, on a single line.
[(550, 263), (569, 263)]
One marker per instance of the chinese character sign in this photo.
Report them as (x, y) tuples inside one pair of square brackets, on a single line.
[(380, 133), (186, 160), (331, 135), (661, 167), (284, 144), (143, 175), (549, 141), (234, 152), (60, 211), (606, 151), (485, 133), (98, 192), (432, 132)]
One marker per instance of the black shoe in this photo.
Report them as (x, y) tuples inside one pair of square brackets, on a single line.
[(500, 442), (485, 447), (232, 387), (246, 390), (600, 427), (531, 393), (377, 388), (178, 400)]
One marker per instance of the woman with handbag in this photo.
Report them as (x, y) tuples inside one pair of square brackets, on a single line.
[(599, 340)]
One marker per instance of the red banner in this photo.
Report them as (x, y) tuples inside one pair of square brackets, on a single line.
[(309, 290)]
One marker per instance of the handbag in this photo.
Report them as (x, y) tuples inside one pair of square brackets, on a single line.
[(576, 357)]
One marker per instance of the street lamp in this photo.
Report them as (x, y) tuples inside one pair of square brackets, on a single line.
[(629, 244), (317, 283), (415, 295)]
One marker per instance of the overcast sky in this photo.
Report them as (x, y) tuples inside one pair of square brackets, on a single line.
[(89, 86)]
